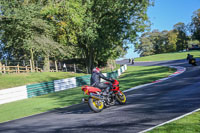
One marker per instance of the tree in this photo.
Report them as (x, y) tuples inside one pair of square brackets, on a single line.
[(171, 41), (145, 47), (182, 38), (191, 43), (107, 25), (195, 25), (94, 30), (26, 33), (156, 42)]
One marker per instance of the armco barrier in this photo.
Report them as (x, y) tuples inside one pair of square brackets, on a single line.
[(64, 84), (113, 74), (119, 72), (83, 80), (13, 94), (40, 89), (23, 92)]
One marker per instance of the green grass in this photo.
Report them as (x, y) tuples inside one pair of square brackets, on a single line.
[(132, 77), (188, 124), (27, 107), (135, 76), (13, 80), (169, 56)]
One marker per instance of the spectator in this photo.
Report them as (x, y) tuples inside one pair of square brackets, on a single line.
[(129, 60), (132, 61)]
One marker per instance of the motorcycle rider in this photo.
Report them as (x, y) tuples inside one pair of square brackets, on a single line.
[(95, 81), (189, 57)]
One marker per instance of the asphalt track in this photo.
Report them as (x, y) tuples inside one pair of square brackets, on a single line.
[(146, 107)]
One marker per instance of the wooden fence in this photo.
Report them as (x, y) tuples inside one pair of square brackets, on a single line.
[(18, 69), (7, 66)]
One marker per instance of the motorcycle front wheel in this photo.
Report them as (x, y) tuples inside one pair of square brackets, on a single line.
[(95, 104), (121, 98)]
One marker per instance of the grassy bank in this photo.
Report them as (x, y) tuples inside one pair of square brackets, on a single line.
[(188, 124), (169, 56), (13, 80), (132, 77)]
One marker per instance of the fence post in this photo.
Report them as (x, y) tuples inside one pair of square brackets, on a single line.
[(31, 65), (26, 69), (4, 68), (18, 68), (8, 69), (56, 66)]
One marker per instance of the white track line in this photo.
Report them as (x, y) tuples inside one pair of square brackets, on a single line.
[(179, 71), (177, 118)]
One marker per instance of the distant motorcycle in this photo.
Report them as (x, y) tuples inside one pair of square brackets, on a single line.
[(98, 100), (192, 61)]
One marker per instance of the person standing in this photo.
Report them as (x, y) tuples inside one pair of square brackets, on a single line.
[(132, 62)]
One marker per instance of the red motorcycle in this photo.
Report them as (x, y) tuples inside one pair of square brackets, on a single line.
[(98, 100)]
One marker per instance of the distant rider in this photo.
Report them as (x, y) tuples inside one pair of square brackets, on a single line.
[(95, 80), (189, 57)]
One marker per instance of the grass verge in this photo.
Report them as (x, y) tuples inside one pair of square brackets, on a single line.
[(139, 75), (169, 56), (132, 77), (187, 124), (13, 80)]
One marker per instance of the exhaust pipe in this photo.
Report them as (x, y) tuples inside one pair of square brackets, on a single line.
[(96, 96)]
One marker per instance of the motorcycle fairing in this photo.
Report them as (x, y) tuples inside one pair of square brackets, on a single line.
[(90, 89)]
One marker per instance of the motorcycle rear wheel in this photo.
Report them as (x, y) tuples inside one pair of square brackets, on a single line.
[(121, 98), (95, 105)]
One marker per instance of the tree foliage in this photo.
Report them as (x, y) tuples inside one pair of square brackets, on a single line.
[(109, 24), (195, 25), (182, 37), (93, 30), (157, 42), (25, 33)]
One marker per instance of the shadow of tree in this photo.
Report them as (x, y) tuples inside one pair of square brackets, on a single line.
[(145, 108)]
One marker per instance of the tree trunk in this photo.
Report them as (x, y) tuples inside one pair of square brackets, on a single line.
[(87, 60), (31, 65), (46, 63), (56, 66), (32, 59), (90, 63)]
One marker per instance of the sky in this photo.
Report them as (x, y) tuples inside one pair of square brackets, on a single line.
[(166, 13)]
